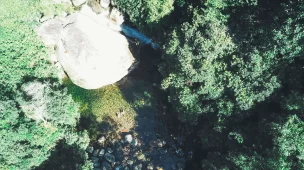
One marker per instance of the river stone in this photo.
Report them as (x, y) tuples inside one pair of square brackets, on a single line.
[(90, 149), (128, 138), (109, 157), (137, 167), (101, 140), (95, 153), (130, 162), (150, 167), (78, 2), (94, 6), (134, 142), (91, 54), (94, 159), (106, 166), (110, 150), (101, 152), (96, 164)]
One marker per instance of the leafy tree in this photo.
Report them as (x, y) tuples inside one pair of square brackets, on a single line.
[(146, 13), (287, 152), (219, 62), (28, 135), (34, 115)]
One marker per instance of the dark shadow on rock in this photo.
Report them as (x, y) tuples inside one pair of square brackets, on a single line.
[(154, 139)]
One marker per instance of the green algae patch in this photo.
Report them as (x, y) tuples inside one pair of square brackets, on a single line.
[(100, 109)]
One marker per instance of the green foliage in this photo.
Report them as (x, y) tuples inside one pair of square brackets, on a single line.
[(34, 115), (237, 136), (219, 62), (289, 142), (146, 13), (28, 135), (287, 153), (294, 103), (21, 53), (42, 102)]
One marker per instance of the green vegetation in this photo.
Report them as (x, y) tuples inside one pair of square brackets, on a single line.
[(233, 69), (99, 107), (35, 111), (146, 13)]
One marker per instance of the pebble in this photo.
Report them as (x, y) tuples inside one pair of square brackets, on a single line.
[(102, 140), (130, 162), (109, 157), (137, 167), (110, 150), (106, 166), (150, 167), (94, 159), (95, 153), (129, 138), (96, 165), (101, 152), (90, 149)]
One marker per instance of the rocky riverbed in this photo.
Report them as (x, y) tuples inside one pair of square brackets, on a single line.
[(148, 147)]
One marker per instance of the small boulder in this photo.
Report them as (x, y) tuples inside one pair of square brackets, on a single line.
[(90, 149), (130, 162), (134, 142), (95, 153), (109, 157), (137, 167), (150, 167), (105, 3), (110, 150), (116, 16), (96, 164), (106, 166), (94, 6), (78, 3), (113, 2), (94, 159), (101, 152), (128, 138), (101, 140)]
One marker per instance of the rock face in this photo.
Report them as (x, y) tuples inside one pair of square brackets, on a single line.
[(89, 47)]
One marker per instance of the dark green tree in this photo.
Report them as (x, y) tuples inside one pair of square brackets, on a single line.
[(146, 13), (219, 62)]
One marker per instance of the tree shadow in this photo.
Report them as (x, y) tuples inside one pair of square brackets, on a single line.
[(64, 157)]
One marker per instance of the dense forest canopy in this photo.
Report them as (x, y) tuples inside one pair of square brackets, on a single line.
[(233, 70), (237, 64)]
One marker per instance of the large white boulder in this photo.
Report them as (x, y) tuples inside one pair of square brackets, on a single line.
[(92, 52)]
